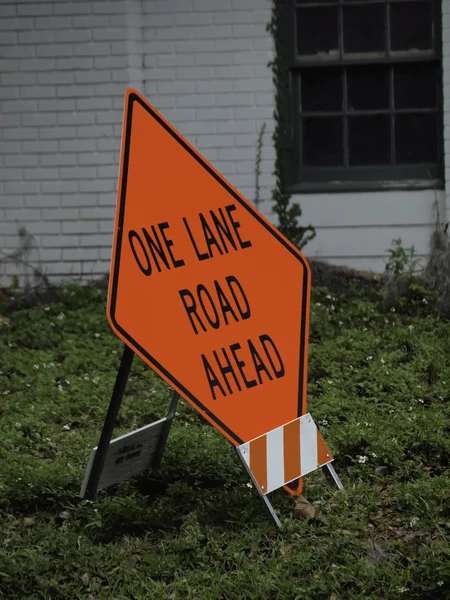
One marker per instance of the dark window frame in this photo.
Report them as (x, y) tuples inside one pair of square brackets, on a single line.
[(341, 179)]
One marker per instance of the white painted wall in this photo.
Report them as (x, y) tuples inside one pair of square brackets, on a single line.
[(64, 68)]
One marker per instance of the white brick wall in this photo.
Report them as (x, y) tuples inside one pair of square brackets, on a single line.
[(64, 68)]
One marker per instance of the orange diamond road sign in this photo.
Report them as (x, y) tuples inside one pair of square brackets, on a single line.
[(203, 288)]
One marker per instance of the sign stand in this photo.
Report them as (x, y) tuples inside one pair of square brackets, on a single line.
[(110, 419)]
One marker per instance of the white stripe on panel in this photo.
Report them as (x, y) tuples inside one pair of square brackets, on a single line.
[(308, 444), (275, 459)]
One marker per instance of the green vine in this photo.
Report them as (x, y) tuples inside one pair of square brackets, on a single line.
[(288, 212)]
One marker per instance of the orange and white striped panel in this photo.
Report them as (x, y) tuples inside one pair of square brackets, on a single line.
[(285, 453)]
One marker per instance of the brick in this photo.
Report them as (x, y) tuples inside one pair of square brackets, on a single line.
[(109, 34), (60, 241), (78, 172), (73, 35), (36, 37), (212, 141), (235, 72), (213, 59), (57, 105), (56, 160), (16, 51), (41, 227), (79, 226), (119, 49), (238, 99), (96, 185), (37, 92), (8, 37), (22, 187), (39, 119), (109, 8), (214, 114), (7, 10), (109, 117), (10, 147), (196, 101), (98, 213), (96, 158), (253, 85), (16, 24), (40, 146), (111, 62), (92, 76), (41, 174), (76, 145), (9, 93), (55, 77), (75, 63), (76, 118), (188, 18), (10, 202), (80, 254), (72, 8), (53, 23), (233, 44), (77, 201), (60, 50), (41, 201), (11, 174), (91, 49), (8, 65), (93, 103), (19, 106), (59, 187), (176, 87), (75, 91), (36, 64), (21, 160)]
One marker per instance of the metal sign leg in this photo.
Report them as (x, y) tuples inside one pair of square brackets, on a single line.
[(110, 420), (165, 433), (264, 498), (332, 476)]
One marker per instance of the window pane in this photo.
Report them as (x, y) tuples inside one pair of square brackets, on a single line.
[(416, 138), (321, 90), (323, 142), (369, 140), (317, 29), (368, 87), (415, 85), (411, 25), (364, 28)]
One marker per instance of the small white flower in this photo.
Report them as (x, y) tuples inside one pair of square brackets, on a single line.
[(328, 297), (96, 379), (392, 309), (440, 583), (66, 427), (332, 307), (97, 335), (402, 590), (67, 381), (394, 440), (46, 307), (60, 388), (425, 301), (341, 323), (86, 378), (374, 455), (36, 366), (410, 327), (420, 400), (6, 392), (18, 424), (366, 424), (28, 384), (361, 459), (351, 367), (382, 361), (249, 485), (369, 358), (48, 440), (318, 304), (410, 409), (330, 381), (364, 328), (60, 316), (114, 352), (391, 411), (324, 422), (386, 320)]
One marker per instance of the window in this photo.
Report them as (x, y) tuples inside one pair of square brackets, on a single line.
[(365, 93)]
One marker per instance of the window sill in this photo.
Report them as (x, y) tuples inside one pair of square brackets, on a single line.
[(341, 187)]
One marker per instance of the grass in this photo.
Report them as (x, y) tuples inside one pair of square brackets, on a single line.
[(378, 385)]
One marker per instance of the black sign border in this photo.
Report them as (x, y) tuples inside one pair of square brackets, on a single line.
[(132, 98)]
